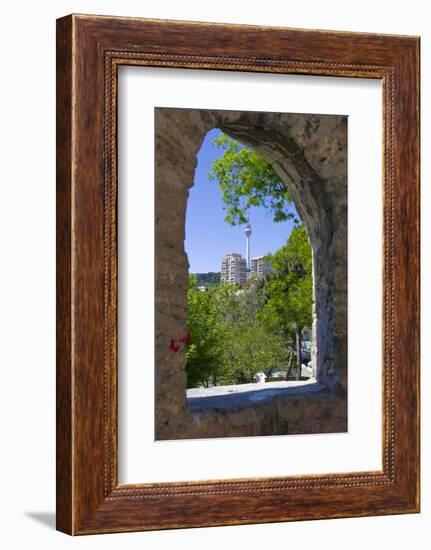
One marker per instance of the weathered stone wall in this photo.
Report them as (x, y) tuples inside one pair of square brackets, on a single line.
[(309, 152)]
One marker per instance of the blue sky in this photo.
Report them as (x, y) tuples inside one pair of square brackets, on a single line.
[(208, 236)]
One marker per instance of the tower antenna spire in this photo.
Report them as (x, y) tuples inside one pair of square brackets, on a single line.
[(248, 233)]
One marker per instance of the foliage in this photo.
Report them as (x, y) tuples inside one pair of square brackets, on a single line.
[(290, 291), (290, 287), (228, 343), (236, 332), (204, 352), (209, 279), (250, 348), (245, 180)]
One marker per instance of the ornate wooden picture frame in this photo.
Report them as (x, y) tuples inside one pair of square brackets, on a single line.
[(89, 51)]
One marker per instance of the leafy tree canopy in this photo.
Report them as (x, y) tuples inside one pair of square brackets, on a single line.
[(204, 352), (290, 287), (245, 180), (229, 344)]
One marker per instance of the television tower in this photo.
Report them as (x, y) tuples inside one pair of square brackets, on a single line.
[(247, 232)]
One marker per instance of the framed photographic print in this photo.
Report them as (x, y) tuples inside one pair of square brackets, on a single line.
[(237, 274)]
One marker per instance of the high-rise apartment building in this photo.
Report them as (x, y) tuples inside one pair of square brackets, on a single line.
[(259, 267), (233, 269)]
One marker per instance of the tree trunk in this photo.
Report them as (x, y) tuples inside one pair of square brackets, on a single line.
[(290, 365), (298, 353)]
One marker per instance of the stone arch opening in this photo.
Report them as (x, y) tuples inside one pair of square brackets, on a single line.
[(309, 154)]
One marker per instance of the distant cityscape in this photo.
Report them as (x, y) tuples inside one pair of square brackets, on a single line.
[(236, 270)]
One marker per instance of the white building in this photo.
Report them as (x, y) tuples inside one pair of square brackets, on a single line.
[(233, 269), (248, 233), (259, 267)]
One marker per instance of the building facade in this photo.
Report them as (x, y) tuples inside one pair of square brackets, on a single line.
[(259, 267), (233, 269)]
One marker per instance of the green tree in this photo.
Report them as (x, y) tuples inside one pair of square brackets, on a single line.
[(208, 280), (228, 343), (205, 347), (250, 348), (245, 180), (290, 290)]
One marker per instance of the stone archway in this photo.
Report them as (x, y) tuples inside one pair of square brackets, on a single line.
[(309, 153)]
